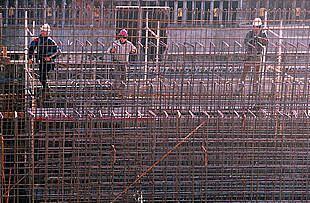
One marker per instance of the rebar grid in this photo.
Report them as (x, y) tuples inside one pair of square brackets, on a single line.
[(178, 131)]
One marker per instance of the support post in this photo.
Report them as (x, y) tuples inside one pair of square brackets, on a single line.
[(157, 45), (184, 16), (146, 44), (211, 11), (175, 17)]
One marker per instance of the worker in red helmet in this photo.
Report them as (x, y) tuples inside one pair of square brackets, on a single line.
[(255, 42), (122, 47), (120, 50)]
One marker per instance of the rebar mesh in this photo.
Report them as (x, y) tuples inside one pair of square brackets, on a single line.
[(178, 131)]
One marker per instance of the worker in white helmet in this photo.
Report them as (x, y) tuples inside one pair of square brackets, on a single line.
[(254, 43), (47, 51)]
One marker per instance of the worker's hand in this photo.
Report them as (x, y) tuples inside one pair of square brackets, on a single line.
[(113, 50), (262, 41), (47, 58), (30, 61)]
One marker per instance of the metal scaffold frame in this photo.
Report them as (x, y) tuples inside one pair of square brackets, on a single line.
[(164, 119)]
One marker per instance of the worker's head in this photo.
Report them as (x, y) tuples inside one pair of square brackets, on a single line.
[(123, 34), (257, 24), (45, 29)]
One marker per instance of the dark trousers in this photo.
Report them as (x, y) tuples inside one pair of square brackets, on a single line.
[(251, 61), (119, 77), (44, 68), (119, 74)]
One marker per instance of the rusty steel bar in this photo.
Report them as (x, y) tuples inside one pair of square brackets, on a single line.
[(172, 121)]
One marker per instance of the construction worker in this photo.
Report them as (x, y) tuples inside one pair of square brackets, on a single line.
[(254, 43), (120, 50), (47, 51)]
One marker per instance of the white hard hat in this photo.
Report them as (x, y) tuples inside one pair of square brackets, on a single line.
[(257, 22), (45, 27)]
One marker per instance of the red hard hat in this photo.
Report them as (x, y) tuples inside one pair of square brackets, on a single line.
[(123, 33)]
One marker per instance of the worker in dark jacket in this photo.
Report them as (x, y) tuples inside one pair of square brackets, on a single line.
[(47, 51), (255, 42)]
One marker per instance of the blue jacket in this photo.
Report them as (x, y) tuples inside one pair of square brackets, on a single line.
[(45, 46)]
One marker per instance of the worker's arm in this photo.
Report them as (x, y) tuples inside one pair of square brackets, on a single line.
[(53, 49), (248, 39), (56, 54), (32, 47), (133, 49), (112, 48), (262, 38), (249, 43)]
